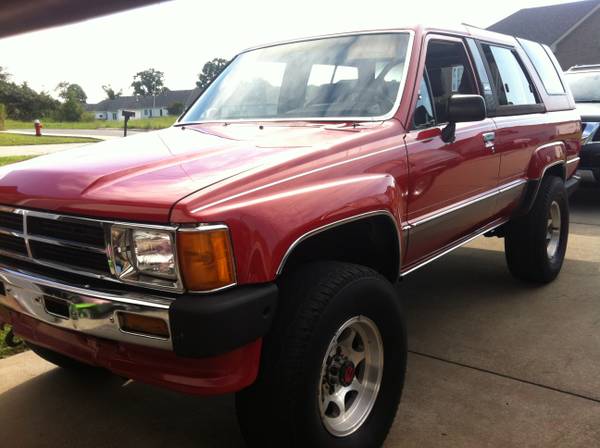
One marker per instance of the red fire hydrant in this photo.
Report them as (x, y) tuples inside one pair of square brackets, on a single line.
[(38, 128)]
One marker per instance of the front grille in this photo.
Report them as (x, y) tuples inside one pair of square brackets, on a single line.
[(12, 221), (82, 260), (85, 232), (63, 242), (13, 244)]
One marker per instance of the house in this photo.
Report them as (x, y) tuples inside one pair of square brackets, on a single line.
[(143, 106), (572, 30)]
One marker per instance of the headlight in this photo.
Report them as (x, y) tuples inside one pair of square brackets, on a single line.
[(198, 259), (145, 257), (154, 253)]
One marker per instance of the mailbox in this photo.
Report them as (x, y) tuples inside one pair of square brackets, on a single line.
[(127, 114)]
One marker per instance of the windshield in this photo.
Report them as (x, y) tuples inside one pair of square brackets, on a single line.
[(338, 77), (585, 86)]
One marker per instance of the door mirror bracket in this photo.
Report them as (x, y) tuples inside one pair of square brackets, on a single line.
[(449, 133)]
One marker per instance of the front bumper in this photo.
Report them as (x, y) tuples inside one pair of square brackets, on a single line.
[(83, 322)]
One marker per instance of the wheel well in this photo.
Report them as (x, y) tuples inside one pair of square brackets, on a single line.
[(557, 170), (371, 241)]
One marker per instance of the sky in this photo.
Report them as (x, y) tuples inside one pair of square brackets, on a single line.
[(177, 37)]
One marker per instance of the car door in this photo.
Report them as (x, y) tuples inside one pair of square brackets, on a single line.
[(452, 185), (518, 113)]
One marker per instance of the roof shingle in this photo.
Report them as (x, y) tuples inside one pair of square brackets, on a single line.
[(545, 24)]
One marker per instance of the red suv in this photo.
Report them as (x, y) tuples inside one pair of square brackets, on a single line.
[(253, 247)]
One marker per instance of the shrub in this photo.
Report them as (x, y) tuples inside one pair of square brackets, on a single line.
[(176, 108), (88, 117), (2, 117)]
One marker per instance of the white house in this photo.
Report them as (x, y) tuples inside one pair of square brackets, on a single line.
[(142, 106)]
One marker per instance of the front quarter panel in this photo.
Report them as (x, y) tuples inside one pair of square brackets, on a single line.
[(266, 220)]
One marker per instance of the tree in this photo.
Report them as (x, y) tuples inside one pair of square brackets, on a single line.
[(2, 116), (210, 71), (176, 108), (111, 94), (67, 91), (149, 82), (24, 103), (71, 110), (4, 75)]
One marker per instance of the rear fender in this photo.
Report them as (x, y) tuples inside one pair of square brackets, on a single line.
[(548, 159), (545, 157)]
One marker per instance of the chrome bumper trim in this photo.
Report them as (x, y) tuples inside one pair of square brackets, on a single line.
[(91, 312)]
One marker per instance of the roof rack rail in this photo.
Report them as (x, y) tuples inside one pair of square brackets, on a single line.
[(576, 68)]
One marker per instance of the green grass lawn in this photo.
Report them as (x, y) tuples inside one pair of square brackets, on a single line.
[(146, 123), (6, 351), (20, 139), (13, 159)]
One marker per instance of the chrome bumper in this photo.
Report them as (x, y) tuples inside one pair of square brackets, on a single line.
[(81, 309)]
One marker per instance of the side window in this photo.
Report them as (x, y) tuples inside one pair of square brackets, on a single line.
[(449, 73), (513, 87), (424, 116), (544, 67), (485, 84)]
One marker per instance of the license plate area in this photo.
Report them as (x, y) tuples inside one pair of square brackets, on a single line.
[(56, 307)]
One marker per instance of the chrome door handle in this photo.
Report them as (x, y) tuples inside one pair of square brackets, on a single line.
[(489, 140)]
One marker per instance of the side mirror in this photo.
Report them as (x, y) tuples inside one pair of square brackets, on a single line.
[(461, 109)]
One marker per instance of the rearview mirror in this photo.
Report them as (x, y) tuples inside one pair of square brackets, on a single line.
[(461, 109)]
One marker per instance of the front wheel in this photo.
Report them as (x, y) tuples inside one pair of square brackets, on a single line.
[(333, 367), (536, 244)]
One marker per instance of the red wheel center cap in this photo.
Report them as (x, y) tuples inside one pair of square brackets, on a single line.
[(347, 373)]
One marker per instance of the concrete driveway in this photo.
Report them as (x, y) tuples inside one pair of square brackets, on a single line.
[(493, 363)]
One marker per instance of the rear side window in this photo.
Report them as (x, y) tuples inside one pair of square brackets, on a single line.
[(544, 67), (513, 87)]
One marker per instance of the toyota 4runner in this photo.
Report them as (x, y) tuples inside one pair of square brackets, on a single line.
[(253, 247)]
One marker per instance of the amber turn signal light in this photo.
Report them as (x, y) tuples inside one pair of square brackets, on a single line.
[(147, 325), (206, 258)]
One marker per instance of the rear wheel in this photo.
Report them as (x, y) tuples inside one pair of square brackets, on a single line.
[(332, 369), (536, 244)]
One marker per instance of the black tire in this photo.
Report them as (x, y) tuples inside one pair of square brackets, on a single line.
[(526, 243), (282, 407), (63, 361)]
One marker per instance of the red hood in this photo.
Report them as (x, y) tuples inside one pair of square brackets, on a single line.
[(140, 178)]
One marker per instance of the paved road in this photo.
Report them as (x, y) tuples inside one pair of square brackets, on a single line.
[(493, 363)]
